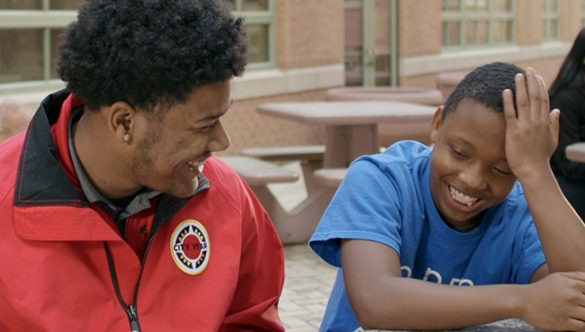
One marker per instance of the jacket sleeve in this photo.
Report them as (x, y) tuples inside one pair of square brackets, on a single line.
[(261, 273), (571, 103)]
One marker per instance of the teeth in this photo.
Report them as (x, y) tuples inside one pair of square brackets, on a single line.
[(461, 197), (194, 165)]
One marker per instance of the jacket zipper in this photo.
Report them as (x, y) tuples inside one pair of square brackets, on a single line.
[(129, 309)]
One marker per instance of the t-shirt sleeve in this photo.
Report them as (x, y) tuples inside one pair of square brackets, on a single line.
[(366, 206), (530, 255)]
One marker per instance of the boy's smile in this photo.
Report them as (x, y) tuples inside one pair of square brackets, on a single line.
[(469, 172)]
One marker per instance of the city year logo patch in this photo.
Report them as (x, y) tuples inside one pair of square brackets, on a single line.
[(190, 247)]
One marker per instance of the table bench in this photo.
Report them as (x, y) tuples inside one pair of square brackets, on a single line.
[(330, 177), (293, 152), (295, 225), (351, 130), (257, 172), (309, 156)]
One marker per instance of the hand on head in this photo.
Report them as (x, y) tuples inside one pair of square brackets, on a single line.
[(531, 128)]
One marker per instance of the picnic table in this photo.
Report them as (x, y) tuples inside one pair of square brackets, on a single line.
[(351, 131), (511, 324), (576, 152)]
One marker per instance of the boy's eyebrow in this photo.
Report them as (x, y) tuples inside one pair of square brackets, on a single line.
[(463, 140), (466, 142)]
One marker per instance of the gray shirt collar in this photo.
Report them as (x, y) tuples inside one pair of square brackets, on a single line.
[(139, 203)]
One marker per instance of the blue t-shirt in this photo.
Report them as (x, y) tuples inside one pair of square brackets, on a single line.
[(386, 198)]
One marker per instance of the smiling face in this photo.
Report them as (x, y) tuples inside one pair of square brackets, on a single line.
[(468, 168), (171, 150)]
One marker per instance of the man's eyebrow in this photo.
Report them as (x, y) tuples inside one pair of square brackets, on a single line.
[(212, 117), (215, 116)]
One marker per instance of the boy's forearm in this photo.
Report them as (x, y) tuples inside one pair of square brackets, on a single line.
[(561, 230), (411, 304)]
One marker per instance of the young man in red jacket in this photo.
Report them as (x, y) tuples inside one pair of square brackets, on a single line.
[(109, 220)]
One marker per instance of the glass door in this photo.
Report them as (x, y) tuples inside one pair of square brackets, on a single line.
[(371, 52)]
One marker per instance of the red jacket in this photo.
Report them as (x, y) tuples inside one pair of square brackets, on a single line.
[(212, 262)]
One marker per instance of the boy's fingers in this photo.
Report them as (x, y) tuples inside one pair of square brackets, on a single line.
[(522, 101), (539, 105), (533, 93), (509, 110), (577, 275), (554, 118), (545, 99)]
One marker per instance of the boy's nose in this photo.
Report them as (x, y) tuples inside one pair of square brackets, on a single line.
[(473, 177)]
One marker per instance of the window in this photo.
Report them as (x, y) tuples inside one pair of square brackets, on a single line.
[(583, 13), (551, 21), (29, 37), (257, 15), (477, 23), (30, 32)]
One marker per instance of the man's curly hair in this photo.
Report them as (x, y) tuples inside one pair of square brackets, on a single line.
[(150, 52), (485, 85)]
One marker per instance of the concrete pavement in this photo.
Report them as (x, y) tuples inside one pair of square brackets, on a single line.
[(308, 279), (307, 285)]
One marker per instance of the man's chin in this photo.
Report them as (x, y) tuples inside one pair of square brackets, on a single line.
[(184, 191)]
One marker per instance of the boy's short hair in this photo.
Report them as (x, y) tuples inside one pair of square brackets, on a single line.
[(151, 52), (485, 85)]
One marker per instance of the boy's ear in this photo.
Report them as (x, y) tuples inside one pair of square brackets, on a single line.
[(436, 123)]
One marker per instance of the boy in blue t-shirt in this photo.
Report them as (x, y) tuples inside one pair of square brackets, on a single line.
[(480, 208)]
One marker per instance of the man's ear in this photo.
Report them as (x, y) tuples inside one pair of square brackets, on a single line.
[(436, 123), (122, 118)]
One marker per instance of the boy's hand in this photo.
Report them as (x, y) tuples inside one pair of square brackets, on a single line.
[(531, 128), (556, 302)]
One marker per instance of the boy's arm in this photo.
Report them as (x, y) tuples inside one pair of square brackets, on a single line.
[(382, 299), (531, 138)]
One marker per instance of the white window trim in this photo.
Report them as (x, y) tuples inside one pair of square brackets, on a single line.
[(36, 19), (445, 62), (253, 84), (265, 83)]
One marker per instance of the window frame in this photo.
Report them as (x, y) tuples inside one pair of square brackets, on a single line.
[(465, 17), (549, 19), (583, 13), (262, 18), (46, 20)]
